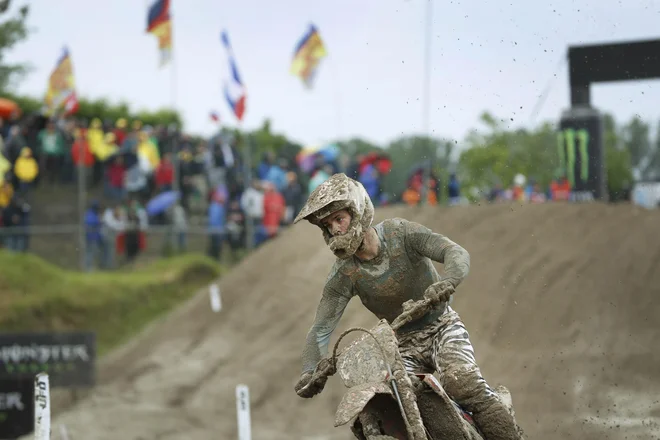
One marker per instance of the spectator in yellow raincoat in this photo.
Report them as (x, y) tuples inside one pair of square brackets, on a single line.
[(95, 136), (26, 169), (148, 150), (5, 167), (107, 147), (95, 141)]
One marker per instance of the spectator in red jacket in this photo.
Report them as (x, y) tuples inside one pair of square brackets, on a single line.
[(115, 173), (80, 152), (164, 175), (274, 210)]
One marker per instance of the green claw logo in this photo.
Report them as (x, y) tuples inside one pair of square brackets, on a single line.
[(566, 140)]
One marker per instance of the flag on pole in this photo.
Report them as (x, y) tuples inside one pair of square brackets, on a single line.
[(61, 93), (159, 24), (234, 90), (307, 56)]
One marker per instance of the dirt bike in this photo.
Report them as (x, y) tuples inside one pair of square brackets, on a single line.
[(383, 401)]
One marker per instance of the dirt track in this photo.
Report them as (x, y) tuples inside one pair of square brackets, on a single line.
[(561, 304)]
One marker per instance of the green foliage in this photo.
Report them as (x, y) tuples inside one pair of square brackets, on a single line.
[(101, 108), (39, 296), (408, 153), (356, 146), (13, 30), (264, 140), (497, 155), (619, 168)]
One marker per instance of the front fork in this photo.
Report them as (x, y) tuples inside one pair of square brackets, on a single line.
[(370, 425), (412, 416)]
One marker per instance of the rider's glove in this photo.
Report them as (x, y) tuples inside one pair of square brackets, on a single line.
[(442, 290), (313, 389)]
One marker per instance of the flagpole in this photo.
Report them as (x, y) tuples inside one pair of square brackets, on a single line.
[(173, 96), (247, 176), (238, 108), (338, 100), (426, 101), (82, 196)]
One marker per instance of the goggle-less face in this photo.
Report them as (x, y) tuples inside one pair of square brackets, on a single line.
[(337, 223)]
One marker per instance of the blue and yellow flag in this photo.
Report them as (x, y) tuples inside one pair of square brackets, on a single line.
[(307, 56), (159, 24)]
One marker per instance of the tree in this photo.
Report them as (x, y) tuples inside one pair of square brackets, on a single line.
[(13, 30), (498, 155), (411, 152), (102, 109), (356, 146), (653, 169), (636, 136), (263, 140), (618, 159)]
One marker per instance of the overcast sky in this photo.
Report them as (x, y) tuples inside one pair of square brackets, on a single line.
[(497, 57)]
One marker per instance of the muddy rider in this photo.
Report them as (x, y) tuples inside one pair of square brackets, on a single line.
[(386, 265)]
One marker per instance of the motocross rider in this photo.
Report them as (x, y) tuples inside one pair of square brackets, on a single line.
[(386, 265)]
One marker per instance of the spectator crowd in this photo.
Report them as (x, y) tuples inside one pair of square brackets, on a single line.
[(126, 167)]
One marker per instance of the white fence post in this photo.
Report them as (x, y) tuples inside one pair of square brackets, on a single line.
[(243, 409), (41, 407), (214, 294)]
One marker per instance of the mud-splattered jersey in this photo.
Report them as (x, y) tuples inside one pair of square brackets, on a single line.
[(401, 271)]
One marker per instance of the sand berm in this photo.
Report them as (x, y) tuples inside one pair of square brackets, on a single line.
[(562, 305)]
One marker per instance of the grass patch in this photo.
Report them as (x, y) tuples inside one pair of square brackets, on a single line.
[(38, 296)]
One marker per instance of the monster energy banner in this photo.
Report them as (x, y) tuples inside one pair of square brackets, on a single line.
[(581, 155), (68, 358), (16, 408)]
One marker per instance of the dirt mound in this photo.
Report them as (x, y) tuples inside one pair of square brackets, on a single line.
[(561, 303)]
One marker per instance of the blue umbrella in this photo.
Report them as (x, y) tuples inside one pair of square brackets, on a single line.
[(329, 152), (161, 202)]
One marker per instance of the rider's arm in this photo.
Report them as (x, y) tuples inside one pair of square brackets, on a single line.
[(437, 247), (336, 295)]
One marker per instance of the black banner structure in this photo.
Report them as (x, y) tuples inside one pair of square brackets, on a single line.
[(68, 358), (581, 128), (581, 153), (16, 408)]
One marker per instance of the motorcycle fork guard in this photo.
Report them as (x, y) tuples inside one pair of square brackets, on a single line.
[(443, 418), (357, 398)]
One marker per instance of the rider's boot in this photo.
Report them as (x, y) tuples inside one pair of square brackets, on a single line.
[(470, 390), (495, 423)]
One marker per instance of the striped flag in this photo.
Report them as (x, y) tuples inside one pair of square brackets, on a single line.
[(234, 90), (159, 24)]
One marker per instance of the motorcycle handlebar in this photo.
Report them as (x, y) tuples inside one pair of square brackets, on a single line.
[(412, 310)]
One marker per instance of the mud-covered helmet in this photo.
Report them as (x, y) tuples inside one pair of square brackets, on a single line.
[(337, 193)]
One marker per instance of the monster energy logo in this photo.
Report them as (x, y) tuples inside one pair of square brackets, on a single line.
[(566, 143)]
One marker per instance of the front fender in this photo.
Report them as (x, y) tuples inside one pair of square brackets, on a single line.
[(356, 399)]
